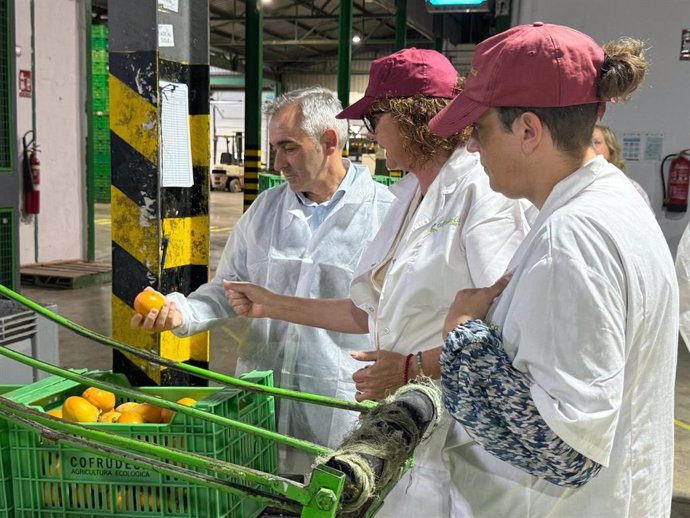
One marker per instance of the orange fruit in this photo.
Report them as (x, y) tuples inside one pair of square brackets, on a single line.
[(109, 417), (52, 494), (129, 406), (101, 399), (148, 300), (130, 418), (167, 414), (56, 412), (79, 410), (150, 413)]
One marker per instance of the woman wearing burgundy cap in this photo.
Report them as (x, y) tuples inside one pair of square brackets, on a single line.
[(570, 405), (447, 230)]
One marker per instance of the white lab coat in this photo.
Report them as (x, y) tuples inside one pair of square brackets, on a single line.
[(273, 246), (591, 316), (683, 273), (462, 235)]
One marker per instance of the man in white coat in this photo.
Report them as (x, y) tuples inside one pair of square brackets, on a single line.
[(571, 408), (301, 238)]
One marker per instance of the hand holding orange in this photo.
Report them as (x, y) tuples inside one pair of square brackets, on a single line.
[(147, 300)]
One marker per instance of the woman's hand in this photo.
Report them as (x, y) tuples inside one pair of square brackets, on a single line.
[(473, 303), (380, 379)]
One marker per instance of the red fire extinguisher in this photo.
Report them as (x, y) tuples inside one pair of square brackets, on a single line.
[(32, 176), (676, 197)]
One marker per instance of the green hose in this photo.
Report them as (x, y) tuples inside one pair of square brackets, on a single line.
[(191, 369)]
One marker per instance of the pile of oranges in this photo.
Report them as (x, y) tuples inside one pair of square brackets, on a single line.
[(98, 406)]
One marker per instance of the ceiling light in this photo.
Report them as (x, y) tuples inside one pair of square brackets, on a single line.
[(356, 38)]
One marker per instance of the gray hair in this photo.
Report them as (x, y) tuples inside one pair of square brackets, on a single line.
[(319, 106)]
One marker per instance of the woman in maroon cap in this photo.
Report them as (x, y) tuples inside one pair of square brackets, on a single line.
[(571, 405), (447, 230)]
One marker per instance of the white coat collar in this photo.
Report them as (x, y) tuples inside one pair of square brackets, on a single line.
[(571, 186), (355, 192), (449, 179)]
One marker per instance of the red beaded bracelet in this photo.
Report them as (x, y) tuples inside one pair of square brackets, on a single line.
[(406, 370)]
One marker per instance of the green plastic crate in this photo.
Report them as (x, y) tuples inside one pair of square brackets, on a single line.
[(58, 480), (99, 30), (99, 36), (6, 505), (386, 180), (267, 181)]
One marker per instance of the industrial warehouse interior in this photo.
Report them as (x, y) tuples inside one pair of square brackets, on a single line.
[(134, 135)]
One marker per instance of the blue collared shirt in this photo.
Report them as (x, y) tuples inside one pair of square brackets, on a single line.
[(316, 213)]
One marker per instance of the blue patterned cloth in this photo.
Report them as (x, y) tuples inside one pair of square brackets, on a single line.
[(491, 399)]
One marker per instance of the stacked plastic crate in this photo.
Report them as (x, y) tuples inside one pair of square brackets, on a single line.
[(100, 121)]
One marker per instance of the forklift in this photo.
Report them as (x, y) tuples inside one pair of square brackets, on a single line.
[(227, 174)]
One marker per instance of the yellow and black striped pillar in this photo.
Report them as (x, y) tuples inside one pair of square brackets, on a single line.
[(160, 235), (252, 166)]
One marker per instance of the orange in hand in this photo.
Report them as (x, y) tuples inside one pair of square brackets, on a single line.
[(148, 300)]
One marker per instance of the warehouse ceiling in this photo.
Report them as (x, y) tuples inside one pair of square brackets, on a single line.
[(303, 35)]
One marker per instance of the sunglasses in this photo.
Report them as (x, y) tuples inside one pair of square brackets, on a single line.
[(371, 120)]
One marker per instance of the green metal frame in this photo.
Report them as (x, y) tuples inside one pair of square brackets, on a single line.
[(344, 52), (254, 75), (7, 33), (12, 250), (320, 498), (400, 24), (90, 167), (237, 82), (503, 22)]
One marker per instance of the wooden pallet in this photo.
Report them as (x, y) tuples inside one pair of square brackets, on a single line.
[(66, 274)]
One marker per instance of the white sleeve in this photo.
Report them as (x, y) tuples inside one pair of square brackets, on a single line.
[(683, 274), (207, 306), (494, 229), (569, 322)]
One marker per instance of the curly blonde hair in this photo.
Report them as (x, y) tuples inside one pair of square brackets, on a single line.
[(412, 114)]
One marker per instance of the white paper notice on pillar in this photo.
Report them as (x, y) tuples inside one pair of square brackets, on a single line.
[(166, 36), (170, 5), (175, 145)]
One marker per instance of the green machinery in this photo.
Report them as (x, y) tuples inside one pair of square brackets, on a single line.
[(351, 481)]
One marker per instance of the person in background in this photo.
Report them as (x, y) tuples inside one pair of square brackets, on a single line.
[(606, 144), (683, 275), (568, 391), (446, 230), (304, 238)]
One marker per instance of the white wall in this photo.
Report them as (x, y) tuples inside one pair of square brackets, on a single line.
[(60, 115), (662, 105)]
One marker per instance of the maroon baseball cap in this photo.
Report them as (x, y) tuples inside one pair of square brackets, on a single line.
[(533, 66), (406, 73)]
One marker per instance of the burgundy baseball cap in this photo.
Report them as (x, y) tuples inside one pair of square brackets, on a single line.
[(406, 73), (533, 66)]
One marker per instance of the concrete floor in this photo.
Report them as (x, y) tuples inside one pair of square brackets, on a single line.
[(91, 307)]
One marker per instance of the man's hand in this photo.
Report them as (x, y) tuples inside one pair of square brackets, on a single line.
[(169, 317), (380, 379), (247, 299), (473, 303)]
